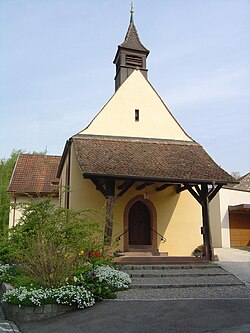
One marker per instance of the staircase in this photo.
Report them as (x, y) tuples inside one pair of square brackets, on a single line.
[(149, 258), (151, 282)]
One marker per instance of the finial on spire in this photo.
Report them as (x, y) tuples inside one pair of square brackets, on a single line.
[(131, 12)]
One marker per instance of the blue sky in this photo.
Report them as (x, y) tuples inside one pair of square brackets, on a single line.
[(56, 69)]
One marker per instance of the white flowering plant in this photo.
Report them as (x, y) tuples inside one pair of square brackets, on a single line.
[(103, 281), (69, 294), (5, 273), (115, 278)]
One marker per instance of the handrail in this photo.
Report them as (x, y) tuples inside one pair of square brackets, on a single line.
[(163, 239), (119, 237)]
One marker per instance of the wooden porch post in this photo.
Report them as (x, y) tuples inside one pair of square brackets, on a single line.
[(206, 222), (108, 230)]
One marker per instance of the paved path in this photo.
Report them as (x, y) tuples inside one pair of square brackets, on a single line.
[(220, 304), (176, 316), (236, 262)]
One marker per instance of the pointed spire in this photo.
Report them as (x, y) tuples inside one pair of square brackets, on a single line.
[(131, 13), (132, 40), (131, 54)]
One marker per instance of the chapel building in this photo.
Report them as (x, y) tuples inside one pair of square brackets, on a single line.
[(136, 163)]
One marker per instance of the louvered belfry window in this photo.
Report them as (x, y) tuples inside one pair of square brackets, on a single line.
[(133, 60)]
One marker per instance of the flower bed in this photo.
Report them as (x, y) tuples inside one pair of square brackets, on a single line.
[(29, 303)]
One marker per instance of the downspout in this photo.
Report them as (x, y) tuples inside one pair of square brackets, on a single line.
[(68, 174), (14, 213)]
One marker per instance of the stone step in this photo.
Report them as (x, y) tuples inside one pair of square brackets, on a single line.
[(155, 273), (182, 285), (179, 281), (137, 254), (201, 292), (176, 268), (150, 260)]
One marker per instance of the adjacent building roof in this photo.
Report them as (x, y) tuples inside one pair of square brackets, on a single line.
[(244, 183), (161, 160), (35, 174)]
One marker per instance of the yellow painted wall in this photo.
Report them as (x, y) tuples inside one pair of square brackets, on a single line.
[(178, 215), (117, 117)]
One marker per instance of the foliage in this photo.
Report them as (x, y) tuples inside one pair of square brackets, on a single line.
[(113, 277), (6, 169), (103, 281), (5, 275), (48, 239), (69, 294)]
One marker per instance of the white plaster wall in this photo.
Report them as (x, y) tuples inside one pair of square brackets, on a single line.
[(219, 215)]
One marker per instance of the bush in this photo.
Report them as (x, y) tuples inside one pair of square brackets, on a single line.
[(48, 239)]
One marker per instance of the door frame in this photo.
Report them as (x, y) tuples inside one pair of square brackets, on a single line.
[(153, 221)]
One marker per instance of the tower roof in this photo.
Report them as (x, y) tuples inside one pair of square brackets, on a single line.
[(132, 40)]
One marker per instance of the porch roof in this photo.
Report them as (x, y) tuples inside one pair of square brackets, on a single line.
[(155, 159)]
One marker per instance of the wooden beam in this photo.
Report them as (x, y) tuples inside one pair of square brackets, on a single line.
[(198, 189), (126, 188), (206, 223), (110, 186), (212, 193), (124, 184), (163, 187), (194, 194), (108, 230), (143, 185), (180, 188), (99, 186)]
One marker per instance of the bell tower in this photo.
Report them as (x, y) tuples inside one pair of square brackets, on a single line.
[(131, 54)]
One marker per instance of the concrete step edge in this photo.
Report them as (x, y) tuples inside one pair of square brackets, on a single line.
[(149, 275), (190, 285)]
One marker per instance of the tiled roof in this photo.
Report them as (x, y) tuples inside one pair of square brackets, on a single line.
[(164, 160), (35, 174), (244, 184), (132, 40)]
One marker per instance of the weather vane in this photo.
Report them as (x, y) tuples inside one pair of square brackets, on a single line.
[(131, 7), (131, 12)]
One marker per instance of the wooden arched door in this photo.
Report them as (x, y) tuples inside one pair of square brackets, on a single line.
[(139, 224)]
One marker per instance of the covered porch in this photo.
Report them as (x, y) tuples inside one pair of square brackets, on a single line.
[(155, 192)]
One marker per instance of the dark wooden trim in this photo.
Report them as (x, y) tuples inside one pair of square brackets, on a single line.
[(108, 230), (206, 223), (180, 188), (143, 185), (163, 187), (99, 186), (158, 180), (212, 193), (126, 188), (194, 194), (198, 190), (124, 184)]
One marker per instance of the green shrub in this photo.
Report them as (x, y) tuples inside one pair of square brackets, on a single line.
[(48, 240)]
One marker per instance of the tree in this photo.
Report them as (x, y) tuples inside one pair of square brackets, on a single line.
[(236, 174), (6, 169)]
